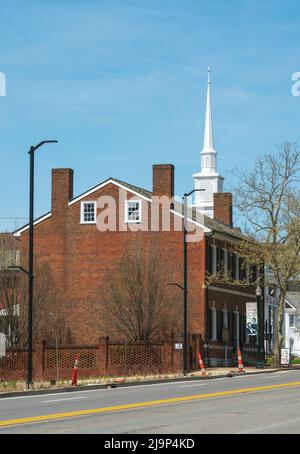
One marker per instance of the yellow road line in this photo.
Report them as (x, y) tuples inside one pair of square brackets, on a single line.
[(152, 403)]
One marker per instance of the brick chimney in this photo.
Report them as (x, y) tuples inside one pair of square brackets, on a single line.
[(62, 190), (163, 180), (223, 207)]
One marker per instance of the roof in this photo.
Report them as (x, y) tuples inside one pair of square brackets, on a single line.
[(204, 221), (294, 299)]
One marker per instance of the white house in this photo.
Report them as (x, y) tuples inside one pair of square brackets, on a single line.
[(292, 321)]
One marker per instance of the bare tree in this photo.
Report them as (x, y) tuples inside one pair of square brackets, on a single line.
[(268, 199), (138, 302), (14, 298)]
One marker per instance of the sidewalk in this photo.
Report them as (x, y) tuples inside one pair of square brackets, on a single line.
[(113, 382)]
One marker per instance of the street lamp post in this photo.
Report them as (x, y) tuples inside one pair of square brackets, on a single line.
[(31, 255), (260, 313), (185, 283)]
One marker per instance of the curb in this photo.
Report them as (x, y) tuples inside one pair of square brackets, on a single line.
[(130, 384)]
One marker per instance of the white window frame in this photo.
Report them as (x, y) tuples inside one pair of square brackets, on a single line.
[(293, 318), (133, 221), (82, 221)]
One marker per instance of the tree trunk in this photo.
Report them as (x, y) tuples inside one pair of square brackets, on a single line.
[(278, 330)]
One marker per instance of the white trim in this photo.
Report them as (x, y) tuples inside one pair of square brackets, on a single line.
[(102, 185), (129, 221), (290, 304), (23, 229), (233, 292), (84, 202), (203, 227)]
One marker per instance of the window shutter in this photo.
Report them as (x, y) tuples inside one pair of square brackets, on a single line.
[(232, 266), (209, 323), (221, 259), (243, 337), (230, 326), (234, 333), (208, 258), (219, 325), (218, 260)]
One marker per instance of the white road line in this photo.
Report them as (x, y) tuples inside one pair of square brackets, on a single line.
[(141, 386), (189, 386), (266, 377), (97, 390), (60, 400)]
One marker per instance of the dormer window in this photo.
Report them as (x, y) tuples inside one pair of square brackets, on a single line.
[(88, 212), (133, 211)]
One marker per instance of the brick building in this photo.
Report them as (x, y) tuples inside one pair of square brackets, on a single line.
[(81, 255), (83, 245)]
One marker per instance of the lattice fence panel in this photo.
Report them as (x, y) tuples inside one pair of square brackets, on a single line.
[(66, 358), (14, 361), (144, 354)]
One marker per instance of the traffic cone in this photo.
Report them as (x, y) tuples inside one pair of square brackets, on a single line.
[(201, 364), (240, 361), (75, 371)]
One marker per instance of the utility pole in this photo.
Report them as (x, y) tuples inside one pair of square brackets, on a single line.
[(31, 255)]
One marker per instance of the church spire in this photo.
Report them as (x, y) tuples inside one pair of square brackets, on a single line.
[(208, 154), (208, 130), (208, 178)]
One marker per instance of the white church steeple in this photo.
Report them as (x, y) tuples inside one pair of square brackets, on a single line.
[(207, 178)]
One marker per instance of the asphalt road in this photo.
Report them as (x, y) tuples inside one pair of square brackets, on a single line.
[(266, 403)]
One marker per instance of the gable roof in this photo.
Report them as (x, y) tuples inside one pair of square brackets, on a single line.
[(293, 298), (206, 223)]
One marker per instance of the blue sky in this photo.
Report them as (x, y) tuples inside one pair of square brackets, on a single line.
[(122, 83)]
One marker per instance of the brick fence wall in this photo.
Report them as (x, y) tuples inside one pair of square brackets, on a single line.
[(115, 358), (108, 358)]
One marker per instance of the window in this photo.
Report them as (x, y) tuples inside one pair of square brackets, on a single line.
[(88, 212), (9, 258), (291, 321), (133, 211)]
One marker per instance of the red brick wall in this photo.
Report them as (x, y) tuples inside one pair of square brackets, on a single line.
[(83, 258), (107, 358), (163, 180), (223, 207)]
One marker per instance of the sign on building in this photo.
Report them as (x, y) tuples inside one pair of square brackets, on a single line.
[(285, 357), (251, 319), (2, 345), (178, 346)]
